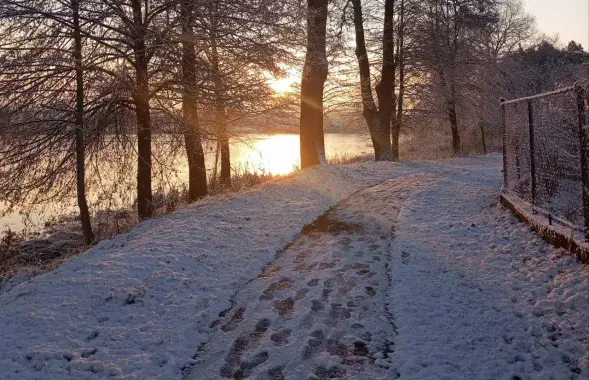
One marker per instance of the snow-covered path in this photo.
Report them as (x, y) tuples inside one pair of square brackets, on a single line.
[(140, 305), (318, 309), (477, 296), (422, 276)]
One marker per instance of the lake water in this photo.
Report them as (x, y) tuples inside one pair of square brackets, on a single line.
[(271, 154)]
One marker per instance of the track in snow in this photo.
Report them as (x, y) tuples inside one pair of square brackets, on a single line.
[(318, 309)]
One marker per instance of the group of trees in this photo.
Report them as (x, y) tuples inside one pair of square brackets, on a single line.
[(543, 67), (442, 63), (78, 76), (85, 84)]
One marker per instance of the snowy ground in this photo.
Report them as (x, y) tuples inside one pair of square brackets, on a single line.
[(477, 296), (416, 272)]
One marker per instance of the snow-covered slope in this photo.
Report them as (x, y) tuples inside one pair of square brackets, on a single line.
[(140, 305)]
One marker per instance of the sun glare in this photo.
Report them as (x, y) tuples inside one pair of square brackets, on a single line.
[(277, 154), (283, 85)]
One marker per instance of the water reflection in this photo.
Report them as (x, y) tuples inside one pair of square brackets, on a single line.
[(279, 154), (271, 154)]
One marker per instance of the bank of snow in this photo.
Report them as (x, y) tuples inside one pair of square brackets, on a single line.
[(140, 305)]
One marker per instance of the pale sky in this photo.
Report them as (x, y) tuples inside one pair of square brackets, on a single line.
[(568, 18)]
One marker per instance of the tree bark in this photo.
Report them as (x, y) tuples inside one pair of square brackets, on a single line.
[(449, 91), (453, 47), (378, 119), (385, 88), (222, 137), (453, 121), (142, 111), (197, 176), (400, 61), (220, 110), (312, 146), (369, 110), (80, 147)]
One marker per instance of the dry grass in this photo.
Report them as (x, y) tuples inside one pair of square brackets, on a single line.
[(241, 179), (348, 158), (438, 146), (22, 253)]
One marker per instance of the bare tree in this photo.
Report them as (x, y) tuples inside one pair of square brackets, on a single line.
[(197, 178), (37, 80), (138, 34), (238, 43), (378, 119), (385, 89), (133, 31), (220, 109), (449, 31), (312, 82), (400, 61), (370, 111), (80, 147), (514, 28)]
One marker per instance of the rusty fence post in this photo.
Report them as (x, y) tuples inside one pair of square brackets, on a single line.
[(580, 92), (504, 144), (532, 154)]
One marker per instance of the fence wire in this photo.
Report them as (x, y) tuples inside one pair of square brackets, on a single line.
[(545, 154)]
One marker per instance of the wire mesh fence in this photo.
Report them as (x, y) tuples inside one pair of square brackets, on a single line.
[(545, 155)]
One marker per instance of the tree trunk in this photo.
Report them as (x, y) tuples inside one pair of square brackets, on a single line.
[(80, 148), (400, 108), (142, 111), (449, 91), (221, 112), (312, 82), (225, 159), (393, 128), (398, 120), (385, 88), (197, 176), (452, 117), (369, 110), (395, 133), (453, 120)]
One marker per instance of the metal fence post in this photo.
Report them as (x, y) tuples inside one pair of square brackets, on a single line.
[(584, 155), (504, 144), (532, 153), (483, 137), (517, 163)]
